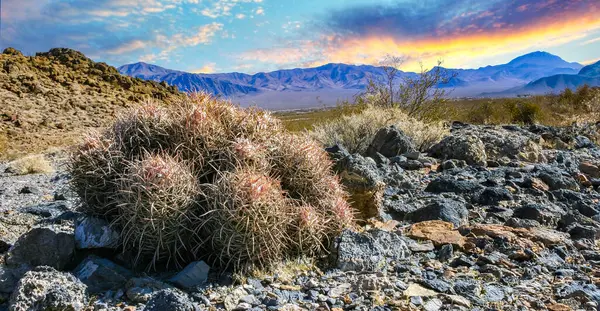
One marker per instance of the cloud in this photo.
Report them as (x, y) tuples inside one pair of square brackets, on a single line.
[(202, 35), (260, 11), (127, 47), (219, 8), (591, 41), (240, 16), (455, 31), (208, 68)]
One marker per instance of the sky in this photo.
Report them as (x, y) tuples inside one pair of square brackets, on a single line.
[(207, 36)]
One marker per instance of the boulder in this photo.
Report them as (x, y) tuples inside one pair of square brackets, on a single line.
[(101, 274), (508, 141), (361, 178), (170, 299), (49, 245), (390, 142), (445, 209), (369, 251), (193, 275), (461, 147), (12, 226), (91, 232), (44, 288)]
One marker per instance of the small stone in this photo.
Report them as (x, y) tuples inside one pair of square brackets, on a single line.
[(493, 293), (30, 190), (193, 275), (433, 305), (446, 252), (416, 300), (590, 169), (243, 306), (232, 300), (418, 290)]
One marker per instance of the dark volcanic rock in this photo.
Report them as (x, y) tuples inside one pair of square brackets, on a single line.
[(451, 184), (51, 245), (446, 209), (101, 274), (390, 142), (170, 299)]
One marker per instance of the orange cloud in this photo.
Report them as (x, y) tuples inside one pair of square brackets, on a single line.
[(208, 68), (459, 50)]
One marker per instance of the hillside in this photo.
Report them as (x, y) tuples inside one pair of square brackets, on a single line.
[(300, 87), (50, 98)]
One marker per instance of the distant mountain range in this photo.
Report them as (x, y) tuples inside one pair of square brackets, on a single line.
[(589, 75), (534, 73)]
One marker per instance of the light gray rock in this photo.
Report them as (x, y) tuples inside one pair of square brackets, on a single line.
[(140, 290), (44, 288), (193, 275), (461, 147), (369, 251), (49, 245), (91, 232), (101, 274)]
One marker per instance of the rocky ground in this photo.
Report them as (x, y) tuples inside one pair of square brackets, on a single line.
[(492, 218)]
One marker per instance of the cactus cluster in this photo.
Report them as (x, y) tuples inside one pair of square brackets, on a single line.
[(203, 179)]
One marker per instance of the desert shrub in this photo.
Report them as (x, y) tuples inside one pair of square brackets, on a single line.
[(33, 164), (203, 179), (523, 111), (356, 132)]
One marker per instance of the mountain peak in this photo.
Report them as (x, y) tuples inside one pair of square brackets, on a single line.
[(538, 58), (592, 70)]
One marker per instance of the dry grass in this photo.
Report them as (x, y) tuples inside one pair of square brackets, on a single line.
[(356, 131), (33, 164)]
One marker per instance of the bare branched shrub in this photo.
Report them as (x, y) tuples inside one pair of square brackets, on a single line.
[(422, 96), (356, 132)]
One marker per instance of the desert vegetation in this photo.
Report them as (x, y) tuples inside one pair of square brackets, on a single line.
[(32, 164), (202, 179)]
